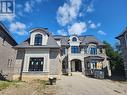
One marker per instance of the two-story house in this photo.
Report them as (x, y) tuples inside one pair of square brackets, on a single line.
[(38, 57), (83, 54), (123, 41), (7, 53), (43, 55)]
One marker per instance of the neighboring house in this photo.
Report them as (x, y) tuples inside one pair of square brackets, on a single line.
[(7, 53), (43, 55), (123, 41)]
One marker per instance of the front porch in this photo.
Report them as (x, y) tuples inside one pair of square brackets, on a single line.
[(88, 66)]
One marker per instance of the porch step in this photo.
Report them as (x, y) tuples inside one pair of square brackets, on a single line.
[(77, 73)]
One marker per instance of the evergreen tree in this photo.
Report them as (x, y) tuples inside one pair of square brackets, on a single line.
[(115, 57)]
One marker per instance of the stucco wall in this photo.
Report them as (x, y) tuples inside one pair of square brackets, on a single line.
[(44, 37), (36, 53)]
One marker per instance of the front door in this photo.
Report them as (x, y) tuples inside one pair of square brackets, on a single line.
[(78, 67)]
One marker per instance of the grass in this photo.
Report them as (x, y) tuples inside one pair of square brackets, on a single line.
[(6, 84)]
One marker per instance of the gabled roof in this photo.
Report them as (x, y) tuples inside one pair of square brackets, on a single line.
[(63, 39), (43, 29), (122, 34), (51, 43), (5, 30), (86, 39), (91, 39)]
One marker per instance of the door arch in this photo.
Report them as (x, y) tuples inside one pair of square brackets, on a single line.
[(76, 65)]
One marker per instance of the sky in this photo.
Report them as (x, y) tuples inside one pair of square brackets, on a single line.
[(104, 19)]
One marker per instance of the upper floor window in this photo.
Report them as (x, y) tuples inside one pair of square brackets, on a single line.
[(63, 50), (38, 40), (74, 39), (85, 49), (93, 50), (101, 50), (75, 49)]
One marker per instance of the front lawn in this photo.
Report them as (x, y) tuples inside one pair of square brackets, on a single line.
[(5, 84)]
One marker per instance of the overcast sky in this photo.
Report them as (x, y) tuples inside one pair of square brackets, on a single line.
[(104, 19)]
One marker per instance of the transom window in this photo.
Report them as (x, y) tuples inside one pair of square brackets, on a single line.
[(93, 50), (38, 40), (74, 39), (75, 49), (36, 64)]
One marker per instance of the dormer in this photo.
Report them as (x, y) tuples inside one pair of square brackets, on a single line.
[(74, 40), (38, 37)]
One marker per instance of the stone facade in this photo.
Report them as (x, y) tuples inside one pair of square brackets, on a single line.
[(7, 53), (43, 55), (123, 41), (85, 60), (46, 50)]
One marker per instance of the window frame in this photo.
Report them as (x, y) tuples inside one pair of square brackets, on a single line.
[(74, 39), (75, 49), (38, 40), (36, 65), (93, 50)]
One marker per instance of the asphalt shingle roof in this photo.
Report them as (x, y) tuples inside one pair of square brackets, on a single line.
[(51, 43), (84, 39), (122, 33)]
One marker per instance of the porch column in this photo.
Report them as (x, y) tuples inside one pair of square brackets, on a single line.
[(83, 68), (69, 68)]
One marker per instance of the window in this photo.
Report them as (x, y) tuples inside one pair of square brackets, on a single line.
[(38, 40), (85, 50), (93, 50), (63, 50), (9, 62), (88, 65), (75, 49), (36, 64), (101, 50), (4, 39), (93, 65), (74, 39)]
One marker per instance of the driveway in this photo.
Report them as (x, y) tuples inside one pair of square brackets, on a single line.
[(81, 85)]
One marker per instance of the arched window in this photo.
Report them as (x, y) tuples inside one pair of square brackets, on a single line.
[(38, 40), (74, 39)]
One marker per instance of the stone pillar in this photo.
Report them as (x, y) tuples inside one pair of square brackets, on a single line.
[(69, 68), (83, 68)]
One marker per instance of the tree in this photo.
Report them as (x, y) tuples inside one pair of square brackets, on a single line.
[(116, 61)]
